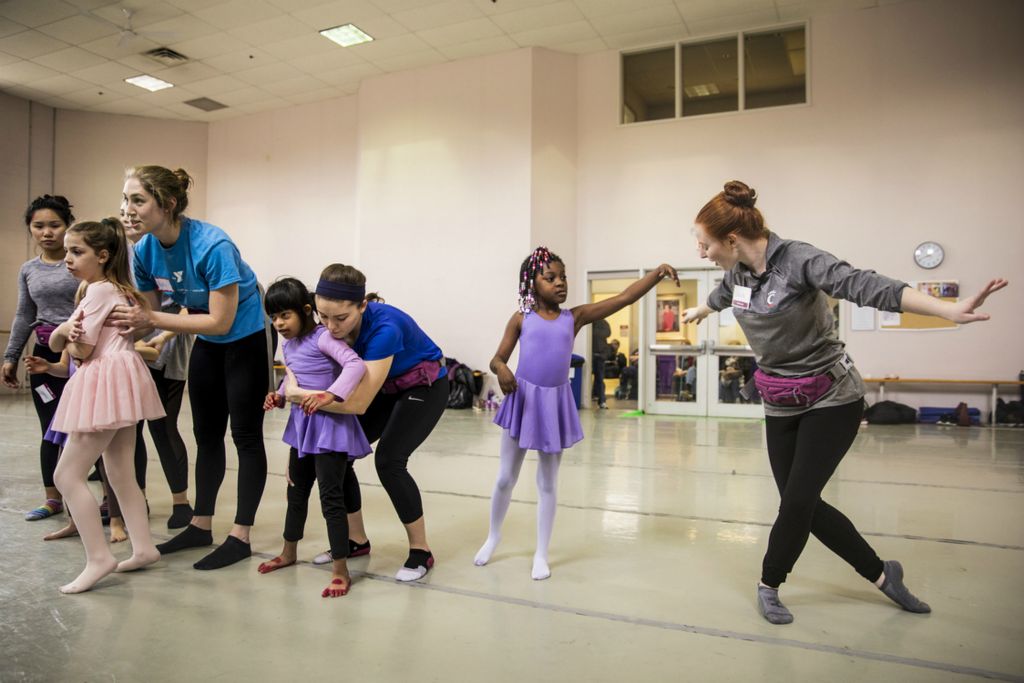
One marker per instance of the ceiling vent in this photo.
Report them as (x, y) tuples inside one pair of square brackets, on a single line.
[(206, 104), (166, 56)]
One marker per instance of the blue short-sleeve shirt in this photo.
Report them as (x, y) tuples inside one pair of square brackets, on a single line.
[(387, 331), (203, 259)]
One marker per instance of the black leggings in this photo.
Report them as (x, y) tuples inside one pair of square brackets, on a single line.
[(804, 451), (402, 422), (227, 382), (329, 471), (48, 451), (166, 437)]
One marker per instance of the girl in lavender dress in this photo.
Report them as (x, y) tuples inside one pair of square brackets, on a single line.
[(538, 412), (323, 444)]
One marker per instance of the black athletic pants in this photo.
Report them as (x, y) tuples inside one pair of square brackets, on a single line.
[(48, 451), (166, 437), (804, 451), (227, 384), (329, 471)]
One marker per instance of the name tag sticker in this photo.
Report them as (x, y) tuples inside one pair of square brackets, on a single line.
[(45, 393), (163, 284), (741, 297)]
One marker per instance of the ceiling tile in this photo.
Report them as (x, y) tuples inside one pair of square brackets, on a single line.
[(599, 8), (35, 13), (390, 47), (25, 73), (463, 32), (7, 27), (108, 71), (180, 28), (271, 30), (491, 8), (70, 59), (61, 85), (209, 46), (88, 4), (78, 29), (237, 13), (411, 60), (59, 103), (536, 18), (8, 59), (213, 87), (442, 14), (29, 44), (294, 6), (142, 63), (243, 96), (119, 87), (167, 96), (382, 27), (270, 73), (314, 96), (395, 6), (732, 23), (349, 74), (194, 5), (294, 86), (264, 105), (128, 105), (583, 47), (116, 47), (336, 13), (651, 36), (92, 97), (638, 20), (186, 73), (314, 64), (142, 15), (475, 48), (248, 58), (24, 92), (560, 33), (310, 45), (703, 10)]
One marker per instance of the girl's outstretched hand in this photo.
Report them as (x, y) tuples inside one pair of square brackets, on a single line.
[(36, 365), (964, 311), (316, 401), (273, 400), (506, 380), (665, 270)]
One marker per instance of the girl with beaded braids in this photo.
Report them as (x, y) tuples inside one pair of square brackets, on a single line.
[(538, 412)]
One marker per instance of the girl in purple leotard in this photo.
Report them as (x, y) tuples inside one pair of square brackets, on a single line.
[(538, 412)]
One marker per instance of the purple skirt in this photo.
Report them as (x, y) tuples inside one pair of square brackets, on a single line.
[(325, 433), (59, 438), (541, 418)]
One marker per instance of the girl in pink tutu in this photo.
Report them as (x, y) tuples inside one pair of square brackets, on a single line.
[(323, 445), (538, 412), (104, 400)]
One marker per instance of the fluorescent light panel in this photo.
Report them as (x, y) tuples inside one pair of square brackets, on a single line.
[(148, 83), (346, 35)]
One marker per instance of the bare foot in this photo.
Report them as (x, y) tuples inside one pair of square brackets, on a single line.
[(67, 532), (93, 572), (275, 564), (141, 557), (338, 586), (118, 534)]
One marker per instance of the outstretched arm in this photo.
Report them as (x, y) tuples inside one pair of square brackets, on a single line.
[(961, 312), (499, 364), (588, 313)]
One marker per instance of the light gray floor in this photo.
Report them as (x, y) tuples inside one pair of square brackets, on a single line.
[(661, 526)]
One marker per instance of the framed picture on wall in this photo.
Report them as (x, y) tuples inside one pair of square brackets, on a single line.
[(668, 317)]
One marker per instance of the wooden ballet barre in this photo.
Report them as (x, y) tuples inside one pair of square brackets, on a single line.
[(994, 383)]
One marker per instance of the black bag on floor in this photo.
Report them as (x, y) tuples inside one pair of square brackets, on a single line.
[(462, 384), (890, 413)]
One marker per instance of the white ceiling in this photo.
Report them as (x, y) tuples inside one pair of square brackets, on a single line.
[(255, 55)]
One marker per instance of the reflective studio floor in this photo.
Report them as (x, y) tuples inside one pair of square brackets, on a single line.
[(661, 526)]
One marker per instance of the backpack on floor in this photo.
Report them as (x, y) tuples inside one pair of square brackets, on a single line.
[(462, 384), (890, 413)]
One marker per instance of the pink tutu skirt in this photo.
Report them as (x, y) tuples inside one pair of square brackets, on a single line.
[(541, 418), (112, 391)]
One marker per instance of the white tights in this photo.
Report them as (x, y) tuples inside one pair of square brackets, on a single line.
[(79, 455), (510, 464)]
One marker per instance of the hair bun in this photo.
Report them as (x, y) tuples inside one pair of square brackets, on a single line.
[(740, 194), (184, 178)]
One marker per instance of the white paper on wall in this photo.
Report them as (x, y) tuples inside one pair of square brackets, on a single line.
[(862, 318)]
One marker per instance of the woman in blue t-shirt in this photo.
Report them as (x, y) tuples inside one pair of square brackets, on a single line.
[(200, 268), (399, 400)]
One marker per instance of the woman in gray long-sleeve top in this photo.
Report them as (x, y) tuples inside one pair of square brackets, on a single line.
[(46, 297), (813, 395)]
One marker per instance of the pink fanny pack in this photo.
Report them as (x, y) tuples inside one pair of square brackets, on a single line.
[(799, 391), (422, 374), (43, 333)]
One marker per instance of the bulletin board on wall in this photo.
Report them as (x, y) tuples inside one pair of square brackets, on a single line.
[(947, 290)]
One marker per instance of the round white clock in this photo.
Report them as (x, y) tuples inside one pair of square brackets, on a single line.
[(929, 255)]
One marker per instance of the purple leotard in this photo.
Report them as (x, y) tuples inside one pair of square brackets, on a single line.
[(321, 362), (541, 413)]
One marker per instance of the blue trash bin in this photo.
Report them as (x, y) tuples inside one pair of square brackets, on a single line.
[(576, 378)]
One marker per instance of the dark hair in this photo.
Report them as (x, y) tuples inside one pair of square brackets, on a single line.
[(533, 265), (348, 275), (289, 294), (732, 210), (165, 185), (109, 234), (54, 202)]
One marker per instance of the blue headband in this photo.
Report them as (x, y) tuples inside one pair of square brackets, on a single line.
[(340, 291)]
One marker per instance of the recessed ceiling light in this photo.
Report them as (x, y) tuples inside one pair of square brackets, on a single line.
[(703, 90), (149, 83), (346, 35)]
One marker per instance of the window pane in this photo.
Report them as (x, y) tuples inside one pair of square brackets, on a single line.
[(710, 77), (775, 68), (649, 86)]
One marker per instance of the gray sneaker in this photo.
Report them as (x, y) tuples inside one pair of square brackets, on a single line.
[(771, 608)]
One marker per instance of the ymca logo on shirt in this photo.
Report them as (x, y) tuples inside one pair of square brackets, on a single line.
[(179, 276)]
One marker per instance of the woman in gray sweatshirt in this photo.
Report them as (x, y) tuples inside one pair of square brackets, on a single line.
[(46, 297), (813, 395)]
